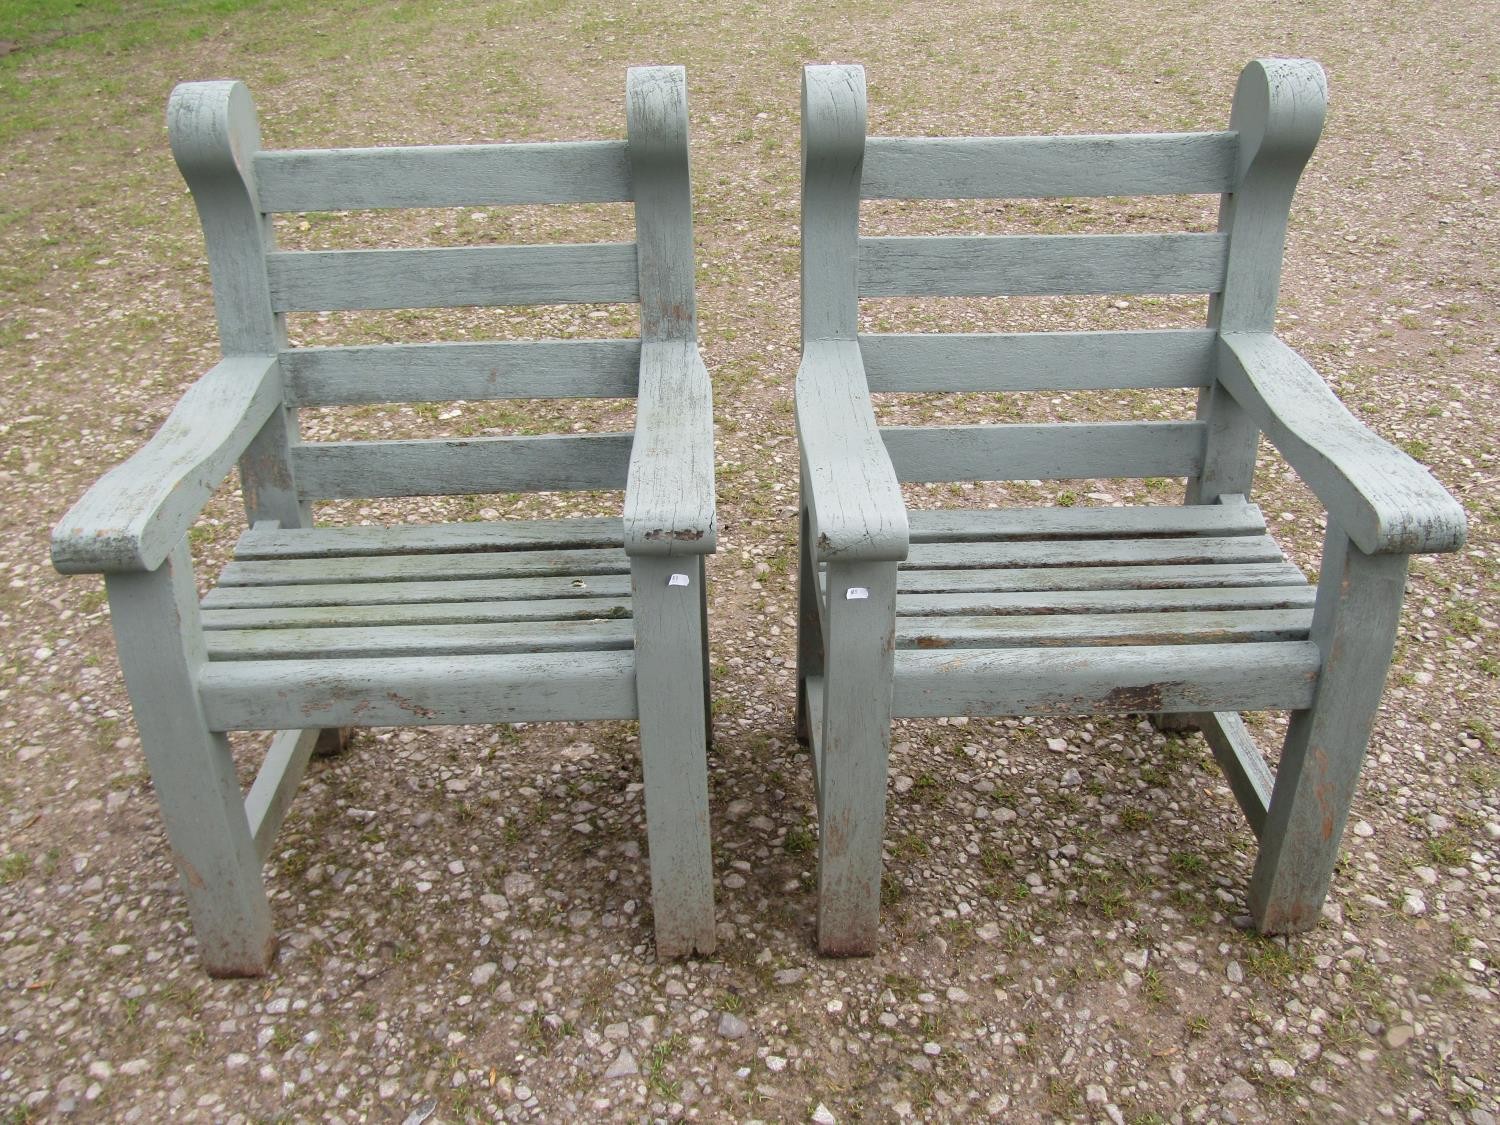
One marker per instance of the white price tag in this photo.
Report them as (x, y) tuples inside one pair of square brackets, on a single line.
[(856, 594), (678, 580)]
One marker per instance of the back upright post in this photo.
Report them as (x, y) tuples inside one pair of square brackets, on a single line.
[(669, 520), (1278, 113), (215, 136)]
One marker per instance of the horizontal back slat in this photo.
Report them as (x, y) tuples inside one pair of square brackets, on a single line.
[(1048, 167), (471, 371), (346, 470), (323, 280), (1041, 265), (1031, 361), (443, 176), (1049, 451)]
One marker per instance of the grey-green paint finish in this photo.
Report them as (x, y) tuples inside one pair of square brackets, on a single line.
[(312, 631), (1188, 613)]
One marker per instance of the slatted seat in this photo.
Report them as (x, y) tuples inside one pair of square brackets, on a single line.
[(312, 630), (1188, 613)]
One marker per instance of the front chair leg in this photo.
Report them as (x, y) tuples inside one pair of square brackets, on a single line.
[(668, 616), (809, 627), (1354, 624), (160, 640), (855, 748)]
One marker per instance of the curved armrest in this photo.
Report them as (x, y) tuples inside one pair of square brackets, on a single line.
[(138, 511), (854, 499), (1384, 501), (669, 494)]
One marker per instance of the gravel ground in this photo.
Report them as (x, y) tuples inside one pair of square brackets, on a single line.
[(464, 912)]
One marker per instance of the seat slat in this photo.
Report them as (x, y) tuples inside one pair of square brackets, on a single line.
[(983, 524), (414, 640), (1105, 601), (334, 615), (1146, 679), (419, 539), (452, 277), (1048, 167), (1030, 361), (1096, 552), (1065, 630), (395, 568), (561, 589), (1046, 451), (418, 691), (353, 179), (1041, 264), (475, 372), (442, 467), (1146, 577)]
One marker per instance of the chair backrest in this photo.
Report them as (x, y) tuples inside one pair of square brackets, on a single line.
[(238, 187), (1253, 166)]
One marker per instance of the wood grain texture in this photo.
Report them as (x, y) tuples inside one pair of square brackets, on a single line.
[(669, 491), (833, 143), (1031, 361), (573, 564), (155, 616), (853, 753), (441, 538), (1358, 611), (1040, 264), (1278, 111), (414, 593), (452, 277), (141, 509), (419, 690), (1174, 599), (449, 467), (954, 525), (276, 784), (444, 639), (1232, 572), (474, 372), (657, 122), (1045, 451), (351, 179), (215, 135), (668, 630), (1048, 167), (1380, 496), (851, 491), (1075, 630), (1105, 680), (1189, 550), (1233, 747), (337, 614)]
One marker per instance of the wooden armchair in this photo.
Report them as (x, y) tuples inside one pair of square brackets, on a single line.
[(324, 627), (1189, 611)]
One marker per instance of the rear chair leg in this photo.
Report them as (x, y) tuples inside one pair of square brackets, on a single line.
[(809, 627), (856, 741), (1354, 624), (674, 731), (160, 641)]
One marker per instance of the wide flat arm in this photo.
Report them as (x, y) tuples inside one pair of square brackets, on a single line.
[(854, 499), (139, 510), (1385, 502), (669, 494)]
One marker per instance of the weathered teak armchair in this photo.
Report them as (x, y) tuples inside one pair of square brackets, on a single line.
[(1190, 611), (319, 628)]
